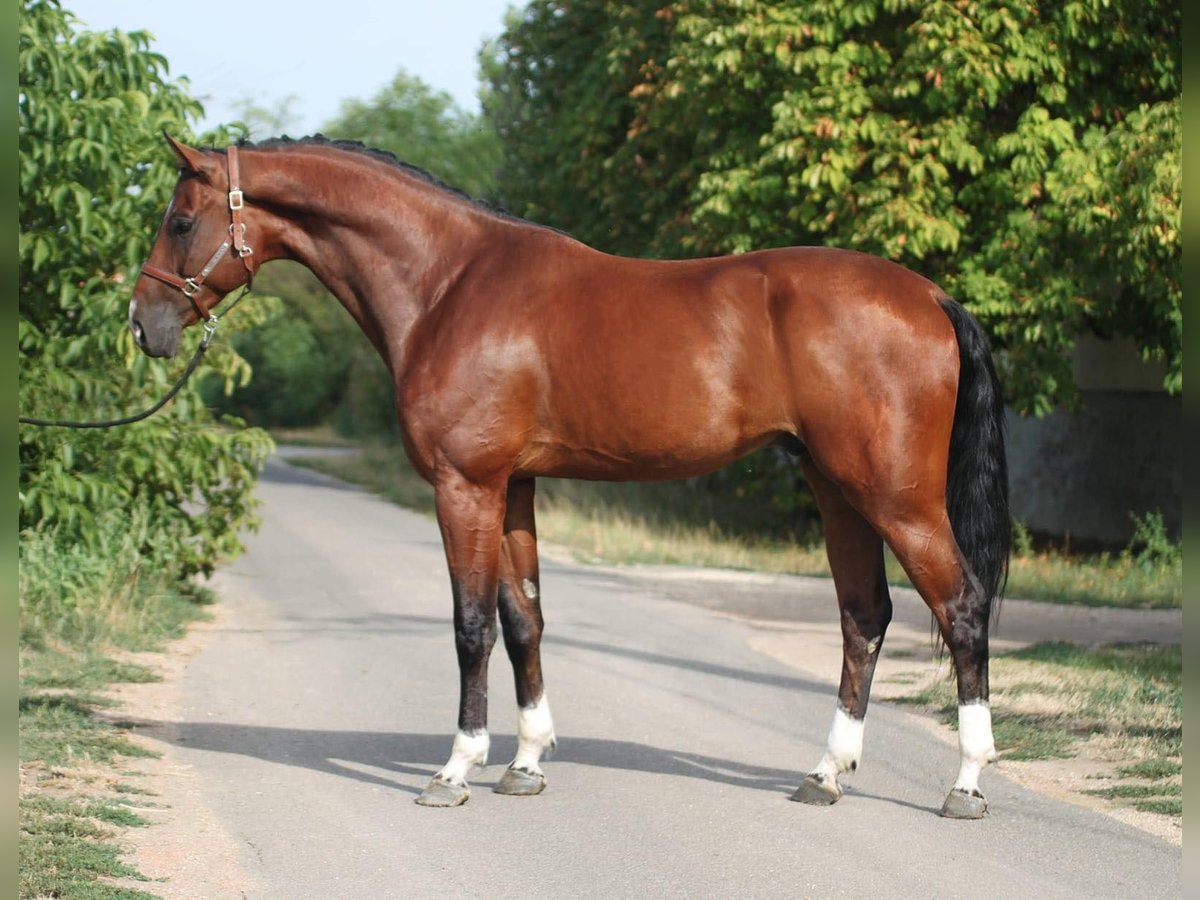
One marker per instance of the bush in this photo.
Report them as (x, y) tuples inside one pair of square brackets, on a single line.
[(117, 589), (95, 177), (368, 403), (295, 383)]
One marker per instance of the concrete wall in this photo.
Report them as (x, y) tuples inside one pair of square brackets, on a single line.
[(1083, 474)]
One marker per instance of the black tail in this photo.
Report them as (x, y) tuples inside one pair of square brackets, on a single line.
[(977, 481)]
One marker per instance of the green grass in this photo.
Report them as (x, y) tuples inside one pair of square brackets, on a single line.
[(1050, 698), (681, 523), (1165, 799), (110, 591), (68, 814), (78, 607), (61, 730), (64, 850), (70, 806), (58, 669)]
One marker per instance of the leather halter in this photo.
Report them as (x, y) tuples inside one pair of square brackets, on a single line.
[(190, 287)]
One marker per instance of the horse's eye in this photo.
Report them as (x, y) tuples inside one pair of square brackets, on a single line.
[(181, 227)]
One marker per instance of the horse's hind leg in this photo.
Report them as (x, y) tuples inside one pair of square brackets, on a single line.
[(856, 559), (521, 618), (923, 541)]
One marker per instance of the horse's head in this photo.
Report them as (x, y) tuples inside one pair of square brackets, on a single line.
[(199, 255)]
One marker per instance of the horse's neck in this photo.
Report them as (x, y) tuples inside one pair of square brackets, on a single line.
[(385, 243)]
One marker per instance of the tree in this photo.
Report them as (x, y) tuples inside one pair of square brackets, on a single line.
[(425, 128), (266, 121), (94, 179), (563, 88), (1025, 156)]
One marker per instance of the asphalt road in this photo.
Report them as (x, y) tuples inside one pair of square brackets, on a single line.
[(318, 712)]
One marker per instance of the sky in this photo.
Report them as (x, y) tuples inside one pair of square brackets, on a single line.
[(266, 50)]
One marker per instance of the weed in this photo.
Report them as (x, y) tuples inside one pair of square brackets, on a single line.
[(61, 731), (1151, 547), (61, 669), (1152, 769), (1172, 806), (1022, 543)]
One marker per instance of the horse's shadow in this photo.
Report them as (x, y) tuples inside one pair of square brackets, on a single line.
[(404, 762)]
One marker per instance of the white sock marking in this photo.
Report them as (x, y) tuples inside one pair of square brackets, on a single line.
[(470, 750), (844, 747), (535, 735), (975, 744)]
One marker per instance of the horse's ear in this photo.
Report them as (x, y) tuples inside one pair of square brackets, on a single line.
[(190, 159)]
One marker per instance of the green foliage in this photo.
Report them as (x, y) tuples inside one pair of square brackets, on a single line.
[(368, 403), (311, 364), (771, 480), (1151, 547), (1027, 157), (565, 92), (117, 588), (424, 127), (94, 179), (1022, 540), (294, 380)]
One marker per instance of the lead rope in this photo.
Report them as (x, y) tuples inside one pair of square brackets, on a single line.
[(210, 329)]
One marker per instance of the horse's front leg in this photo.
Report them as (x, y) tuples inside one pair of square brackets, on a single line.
[(471, 517), (521, 618)]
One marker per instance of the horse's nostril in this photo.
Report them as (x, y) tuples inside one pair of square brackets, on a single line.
[(138, 335)]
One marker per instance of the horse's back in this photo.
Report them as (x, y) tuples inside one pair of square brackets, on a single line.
[(598, 366)]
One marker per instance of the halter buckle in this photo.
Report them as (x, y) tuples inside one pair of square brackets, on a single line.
[(189, 287), (236, 200)]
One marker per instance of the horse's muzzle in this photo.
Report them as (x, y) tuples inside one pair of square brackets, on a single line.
[(157, 329)]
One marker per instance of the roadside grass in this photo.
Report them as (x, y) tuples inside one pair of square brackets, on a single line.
[(72, 803), (675, 523), (314, 436), (64, 850), (78, 611), (1123, 701)]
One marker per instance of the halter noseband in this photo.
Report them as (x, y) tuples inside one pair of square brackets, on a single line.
[(190, 287)]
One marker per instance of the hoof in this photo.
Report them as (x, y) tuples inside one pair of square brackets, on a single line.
[(443, 793), (817, 792), (961, 805), (519, 783)]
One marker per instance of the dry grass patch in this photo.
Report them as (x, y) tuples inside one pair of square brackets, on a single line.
[(684, 524), (1119, 706)]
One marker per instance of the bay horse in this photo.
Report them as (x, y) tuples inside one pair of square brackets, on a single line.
[(518, 352)]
